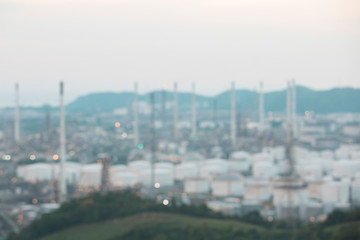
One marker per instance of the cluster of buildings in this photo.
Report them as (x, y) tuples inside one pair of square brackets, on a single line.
[(283, 165)]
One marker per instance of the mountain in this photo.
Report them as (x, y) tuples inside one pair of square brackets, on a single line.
[(326, 101)]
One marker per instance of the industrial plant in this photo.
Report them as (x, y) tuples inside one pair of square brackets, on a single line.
[(182, 148)]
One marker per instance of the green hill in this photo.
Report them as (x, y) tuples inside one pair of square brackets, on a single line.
[(325, 101), (126, 216)]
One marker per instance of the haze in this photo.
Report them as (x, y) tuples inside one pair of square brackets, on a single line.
[(105, 46)]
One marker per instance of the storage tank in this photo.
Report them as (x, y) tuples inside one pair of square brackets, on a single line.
[(310, 171), (228, 185), (36, 172), (162, 176), (263, 157), (90, 175), (72, 172), (335, 191), (186, 170), (240, 161), (165, 165), (139, 165), (197, 185), (315, 189), (264, 170), (346, 168), (257, 189), (213, 167), (124, 178)]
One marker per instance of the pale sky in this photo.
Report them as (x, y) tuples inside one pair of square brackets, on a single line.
[(106, 45)]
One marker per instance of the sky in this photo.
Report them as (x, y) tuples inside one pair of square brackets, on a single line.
[(107, 45)]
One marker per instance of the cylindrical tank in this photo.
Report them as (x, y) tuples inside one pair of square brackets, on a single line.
[(197, 185), (257, 189), (228, 185), (346, 168), (125, 178), (162, 176), (264, 169), (186, 170), (335, 191), (90, 175), (240, 161)]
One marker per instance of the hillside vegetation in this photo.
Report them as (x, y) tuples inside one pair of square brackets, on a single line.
[(128, 217)]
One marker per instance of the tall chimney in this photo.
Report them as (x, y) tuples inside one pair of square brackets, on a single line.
[(215, 111), (17, 115), (233, 115), (288, 110), (153, 140), (261, 106), (163, 108), (175, 111), (62, 145), (193, 123), (136, 116), (294, 124)]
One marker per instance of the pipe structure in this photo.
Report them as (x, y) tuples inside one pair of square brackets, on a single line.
[(261, 106), (136, 116), (153, 140), (294, 122), (17, 115), (175, 111), (193, 122), (233, 114), (62, 145)]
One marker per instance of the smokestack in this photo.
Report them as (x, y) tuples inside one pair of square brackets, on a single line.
[(261, 106), (163, 108), (215, 111), (17, 115), (153, 140), (233, 115), (288, 111), (294, 124), (136, 116), (193, 125), (175, 111), (62, 145)]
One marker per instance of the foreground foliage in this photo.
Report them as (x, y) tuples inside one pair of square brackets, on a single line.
[(129, 217)]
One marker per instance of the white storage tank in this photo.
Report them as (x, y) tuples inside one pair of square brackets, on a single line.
[(72, 172), (311, 171), (139, 165), (213, 167), (263, 157), (257, 189), (90, 175), (240, 161), (264, 170), (228, 185), (315, 189), (36, 172), (162, 176), (122, 179), (165, 165), (197, 185), (346, 168), (335, 191), (186, 170)]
